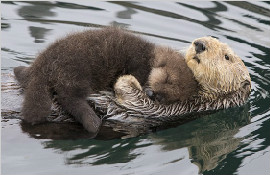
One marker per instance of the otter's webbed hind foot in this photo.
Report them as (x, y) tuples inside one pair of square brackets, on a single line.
[(83, 113)]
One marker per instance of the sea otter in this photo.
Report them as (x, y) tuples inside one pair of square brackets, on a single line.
[(223, 81), (83, 63), (86, 62)]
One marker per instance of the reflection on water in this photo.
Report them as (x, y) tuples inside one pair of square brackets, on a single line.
[(126, 14), (38, 33), (212, 23), (233, 141), (208, 139), (37, 10), (210, 13)]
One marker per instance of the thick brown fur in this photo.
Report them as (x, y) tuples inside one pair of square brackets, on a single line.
[(170, 77), (82, 63), (77, 65)]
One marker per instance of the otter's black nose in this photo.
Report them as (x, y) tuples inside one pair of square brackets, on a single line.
[(199, 47)]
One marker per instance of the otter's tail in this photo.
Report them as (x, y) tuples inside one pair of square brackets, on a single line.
[(22, 75), (37, 102)]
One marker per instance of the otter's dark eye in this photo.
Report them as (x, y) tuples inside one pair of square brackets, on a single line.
[(227, 57)]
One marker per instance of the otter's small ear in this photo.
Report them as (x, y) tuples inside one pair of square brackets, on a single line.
[(246, 85)]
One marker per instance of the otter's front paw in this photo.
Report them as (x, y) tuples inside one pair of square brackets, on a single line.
[(126, 81), (125, 86)]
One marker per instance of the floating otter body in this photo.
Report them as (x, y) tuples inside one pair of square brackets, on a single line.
[(83, 63), (209, 77), (223, 81)]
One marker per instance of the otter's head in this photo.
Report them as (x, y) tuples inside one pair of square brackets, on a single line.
[(217, 68)]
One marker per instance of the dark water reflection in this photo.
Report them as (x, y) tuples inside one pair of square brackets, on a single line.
[(233, 141), (208, 139)]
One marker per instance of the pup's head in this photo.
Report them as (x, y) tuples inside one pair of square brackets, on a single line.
[(217, 68)]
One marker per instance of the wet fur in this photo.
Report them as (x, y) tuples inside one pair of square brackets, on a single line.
[(222, 82), (170, 77), (218, 77), (82, 63), (77, 65)]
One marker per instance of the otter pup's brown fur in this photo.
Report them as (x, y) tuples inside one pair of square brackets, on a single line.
[(79, 64), (170, 76)]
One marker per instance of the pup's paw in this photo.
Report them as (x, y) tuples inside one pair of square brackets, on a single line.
[(127, 81), (126, 85)]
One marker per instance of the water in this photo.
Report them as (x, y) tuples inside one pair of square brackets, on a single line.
[(232, 141)]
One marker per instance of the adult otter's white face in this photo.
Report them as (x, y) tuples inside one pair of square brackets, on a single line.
[(217, 68)]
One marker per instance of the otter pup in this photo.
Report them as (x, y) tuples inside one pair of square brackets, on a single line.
[(170, 79), (223, 81), (82, 63)]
